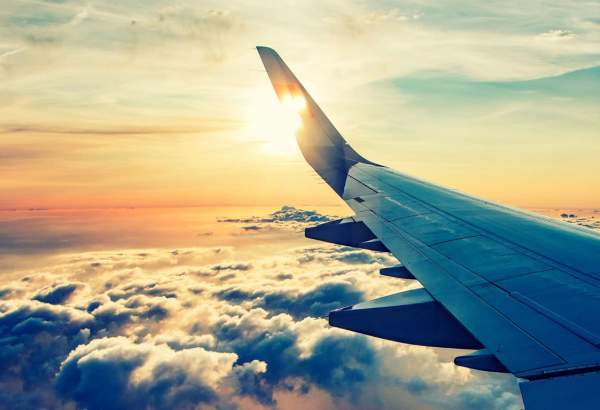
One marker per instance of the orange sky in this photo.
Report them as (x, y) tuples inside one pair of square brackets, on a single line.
[(110, 106)]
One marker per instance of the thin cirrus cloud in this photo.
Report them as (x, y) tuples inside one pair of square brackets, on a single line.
[(50, 129), (75, 73)]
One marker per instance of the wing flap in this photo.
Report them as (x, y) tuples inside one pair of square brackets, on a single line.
[(568, 300)]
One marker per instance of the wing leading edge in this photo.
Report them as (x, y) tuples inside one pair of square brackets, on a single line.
[(522, 289)]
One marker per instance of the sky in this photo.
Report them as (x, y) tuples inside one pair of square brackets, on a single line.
[(166, 103), (153, 200)]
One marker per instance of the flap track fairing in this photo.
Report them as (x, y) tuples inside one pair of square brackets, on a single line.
[(348, 232), (410, 317)]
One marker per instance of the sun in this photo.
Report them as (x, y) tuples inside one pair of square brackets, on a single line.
[(274, 123)]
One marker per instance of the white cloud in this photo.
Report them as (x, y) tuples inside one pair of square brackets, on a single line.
[(557, 35), (79, 17), (165, 338)]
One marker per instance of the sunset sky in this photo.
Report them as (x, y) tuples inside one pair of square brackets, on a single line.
[(153, 200), (160, 103)]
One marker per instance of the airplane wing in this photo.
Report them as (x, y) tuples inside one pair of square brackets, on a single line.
[(521, 290)]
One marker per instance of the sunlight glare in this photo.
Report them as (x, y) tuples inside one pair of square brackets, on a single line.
[(274, 123)]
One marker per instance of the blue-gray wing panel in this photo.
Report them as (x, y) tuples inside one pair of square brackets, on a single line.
[(535, 233), (438, 234)]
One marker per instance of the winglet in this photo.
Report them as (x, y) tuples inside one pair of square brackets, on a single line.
[(322, 145), (283, 80)]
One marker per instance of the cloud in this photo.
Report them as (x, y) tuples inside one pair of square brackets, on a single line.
[(336, 363), (145, 375), (252, 228), (587, 221), (345, 254), (124, 131), (149, 288), (231, 266), (31, 317), (291, 214), (287, 217), (187, 45), (5, 54), (57, 294), (313, 302), (79, 17), (557, 35), (34, 337), (151, 332)]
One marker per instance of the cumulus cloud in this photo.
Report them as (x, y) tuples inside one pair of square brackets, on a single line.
[(57, 294), (343, 254), (586, 218), (330, 361), (150, 376), (315, 302), (149, 288), (34, 337), (289, 213), (164, 328), (287, 216)]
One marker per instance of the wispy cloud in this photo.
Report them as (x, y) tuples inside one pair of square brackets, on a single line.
[(6, 54), (69, 66), (557, 35), (55, 129), (79, 17)]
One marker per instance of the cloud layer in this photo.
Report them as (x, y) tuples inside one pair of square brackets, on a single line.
[(164, 328)]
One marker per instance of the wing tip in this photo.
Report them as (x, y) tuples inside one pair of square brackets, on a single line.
[(265, 50)]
